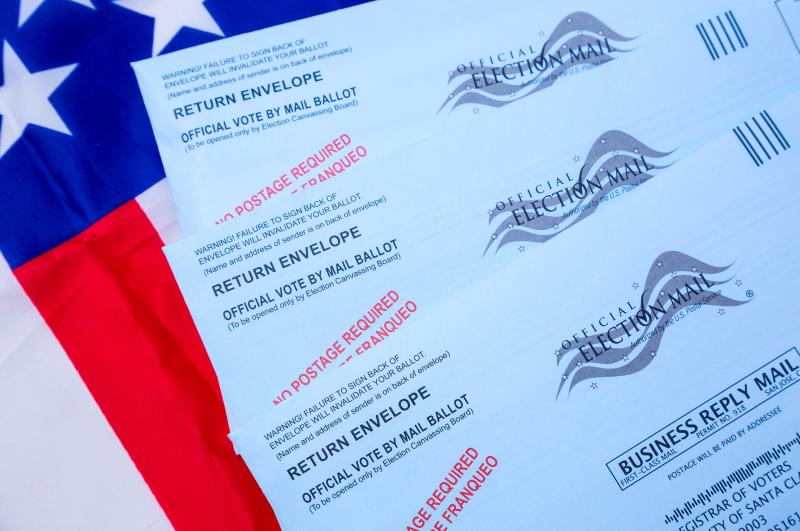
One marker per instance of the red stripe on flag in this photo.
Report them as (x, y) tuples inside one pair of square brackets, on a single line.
[(109, 297)]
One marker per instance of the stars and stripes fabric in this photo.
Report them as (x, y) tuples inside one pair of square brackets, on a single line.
[(110, 410)]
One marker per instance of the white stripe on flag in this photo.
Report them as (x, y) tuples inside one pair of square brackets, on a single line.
[(157, 204), (61, 465)]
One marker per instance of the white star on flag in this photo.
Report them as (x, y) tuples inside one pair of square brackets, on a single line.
[(24, 98), (27, 8), (170, 16)]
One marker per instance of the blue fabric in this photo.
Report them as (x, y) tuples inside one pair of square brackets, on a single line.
[(54, 185)]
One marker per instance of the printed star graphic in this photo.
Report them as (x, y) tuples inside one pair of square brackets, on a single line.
[(28, 7), (476, 110), (558, 351), (635, 285), (521, 248), (24, 98), (171, 16), (674, 274), (652, 353), (594, 385), (721, 311), (625, 358), (564, 377), (738, 282), (541, 33), (580, 364), (576, 158)]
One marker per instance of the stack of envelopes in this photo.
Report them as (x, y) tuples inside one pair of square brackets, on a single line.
[(518, 265)]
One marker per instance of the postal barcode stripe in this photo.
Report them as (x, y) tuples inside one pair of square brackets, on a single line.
[(709, 45), (765, 135), (775, 129), (770, 139), (722, 34), (746, 143), (747, 125), (727, 36), (714, 29), (736, 28)]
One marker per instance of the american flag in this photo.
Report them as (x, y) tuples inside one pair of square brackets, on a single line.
[(110, 411)]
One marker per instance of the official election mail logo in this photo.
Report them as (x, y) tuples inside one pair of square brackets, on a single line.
[(580, 41), (616, 163), (626, 339)]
